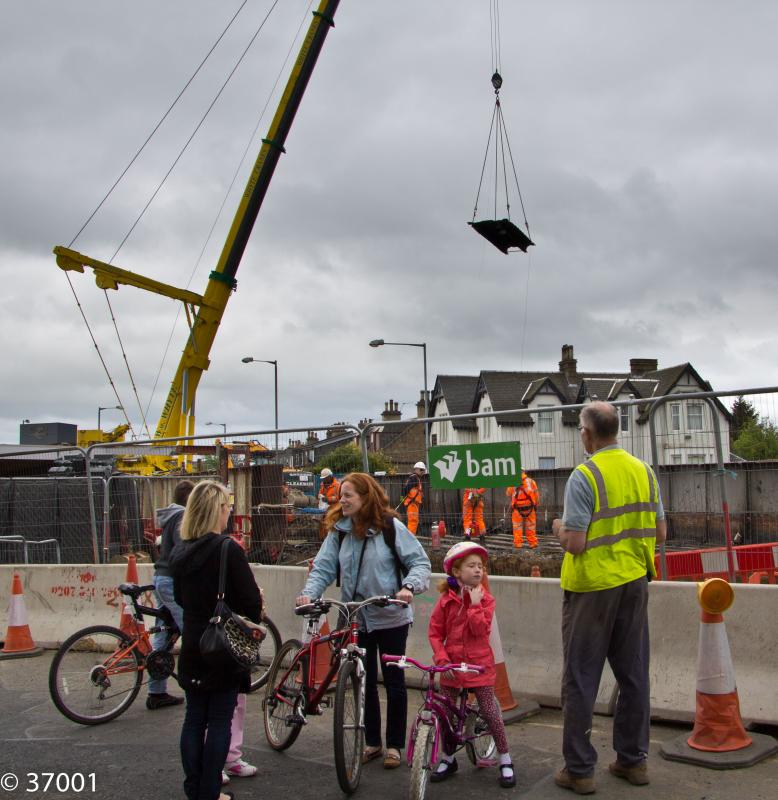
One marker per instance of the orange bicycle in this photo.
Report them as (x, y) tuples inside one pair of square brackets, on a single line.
[(97, 673)]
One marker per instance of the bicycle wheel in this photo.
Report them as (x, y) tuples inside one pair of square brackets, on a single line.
[(421, 766), (268, 652), (349, 727), (480, 745), (284, 701), (93, 677)]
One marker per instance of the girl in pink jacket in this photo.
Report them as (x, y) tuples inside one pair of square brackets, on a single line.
[(459, 631)]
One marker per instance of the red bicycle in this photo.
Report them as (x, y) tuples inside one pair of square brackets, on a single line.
[(293, 693)]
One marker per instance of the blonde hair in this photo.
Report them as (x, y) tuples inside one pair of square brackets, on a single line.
[(203, 510)]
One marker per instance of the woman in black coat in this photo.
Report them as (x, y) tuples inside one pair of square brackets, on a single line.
[(211, 693)]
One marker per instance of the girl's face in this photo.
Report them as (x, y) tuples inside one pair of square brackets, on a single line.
[(350, 500), (470, 571)]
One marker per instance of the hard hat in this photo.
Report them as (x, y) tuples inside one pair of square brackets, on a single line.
[(420, 465), (460, 550), (326, 473)]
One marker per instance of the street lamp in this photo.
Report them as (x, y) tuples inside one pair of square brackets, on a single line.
[(423, 345), (100, 410), (252, 360), (223, 424)]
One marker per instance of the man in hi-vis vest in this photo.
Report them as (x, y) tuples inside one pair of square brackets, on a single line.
[(412, 496), (612, 520)]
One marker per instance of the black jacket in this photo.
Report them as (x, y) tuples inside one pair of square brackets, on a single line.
[(195, 568)]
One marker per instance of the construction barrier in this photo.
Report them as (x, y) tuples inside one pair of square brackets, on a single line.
[(61, 599), (18, 639), (696, 565)]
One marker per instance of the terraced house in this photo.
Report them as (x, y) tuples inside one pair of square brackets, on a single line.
[(550, 440)]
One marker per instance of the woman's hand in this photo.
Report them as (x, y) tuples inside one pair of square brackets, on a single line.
[(302, 600), (476, 594), (406, 595)]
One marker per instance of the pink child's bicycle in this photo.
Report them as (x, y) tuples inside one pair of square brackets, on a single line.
[(442, 724)]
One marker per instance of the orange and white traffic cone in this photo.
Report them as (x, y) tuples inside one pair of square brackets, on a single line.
[(719, 739), (718, 727), (18, 639), (323, 652), (127, 622), (512, 710), (535, 572)]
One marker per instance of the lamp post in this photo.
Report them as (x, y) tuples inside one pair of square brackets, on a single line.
[(252, 360), (423, 345), (224, 427), (100, 410)]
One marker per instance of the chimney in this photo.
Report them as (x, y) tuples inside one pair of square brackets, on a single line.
[(420, 406), (640, 366), (568, 366), (312, 437), (391, 411)]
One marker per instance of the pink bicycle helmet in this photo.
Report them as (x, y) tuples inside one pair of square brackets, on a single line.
[(460, 550)]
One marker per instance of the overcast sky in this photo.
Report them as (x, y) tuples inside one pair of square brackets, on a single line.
[(645, 136)]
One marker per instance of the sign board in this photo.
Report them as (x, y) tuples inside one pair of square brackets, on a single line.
[(475, 465)]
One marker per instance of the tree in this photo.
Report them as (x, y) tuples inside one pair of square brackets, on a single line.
[(743, 412), (348, 458), (758, 440)]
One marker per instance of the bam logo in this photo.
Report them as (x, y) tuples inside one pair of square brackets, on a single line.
[(448, 466), (462, 466)]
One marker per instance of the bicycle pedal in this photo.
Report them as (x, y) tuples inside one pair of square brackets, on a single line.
[(295, 719)]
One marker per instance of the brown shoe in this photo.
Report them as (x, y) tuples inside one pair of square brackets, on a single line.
[(392, 758), (636, 774), (579, 785)]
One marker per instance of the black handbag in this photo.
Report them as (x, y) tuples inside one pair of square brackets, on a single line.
[(229, 641)]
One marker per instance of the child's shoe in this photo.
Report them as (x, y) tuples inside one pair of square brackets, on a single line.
[(441, 774)]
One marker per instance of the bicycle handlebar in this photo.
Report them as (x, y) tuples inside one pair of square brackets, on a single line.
[(403, 662), (323, 604)]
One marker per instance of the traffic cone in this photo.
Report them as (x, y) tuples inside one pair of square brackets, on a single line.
[(18, 639), (323, 652), (127, 622), (512, 710), (535, 572), (719, 739)]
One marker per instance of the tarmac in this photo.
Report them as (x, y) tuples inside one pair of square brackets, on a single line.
[(136, 756)]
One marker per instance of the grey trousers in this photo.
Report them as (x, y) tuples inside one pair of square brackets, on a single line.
[(612, 624)]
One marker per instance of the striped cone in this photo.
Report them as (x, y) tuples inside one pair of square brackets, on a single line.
[(18, 639), (127, 622), (323, 652), (719, 740), (512, 710)]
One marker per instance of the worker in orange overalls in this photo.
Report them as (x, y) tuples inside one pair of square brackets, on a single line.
[(524, 503), (473, 513), (329, 488), (412, 496)]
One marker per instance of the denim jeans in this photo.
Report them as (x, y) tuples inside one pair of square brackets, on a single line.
[(378, 642), (205, 740), (163, 589)]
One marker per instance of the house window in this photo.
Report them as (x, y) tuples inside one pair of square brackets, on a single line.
[(675, 416), (545, 421), (694, 416), (676, 458), (434, 439), (487, 421), (696, 458), (624, 415), (546, 462)]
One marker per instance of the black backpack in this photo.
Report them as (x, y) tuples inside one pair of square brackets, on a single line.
[(389, 533)]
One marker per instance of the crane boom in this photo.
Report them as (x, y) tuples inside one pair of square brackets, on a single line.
[(178, 413)]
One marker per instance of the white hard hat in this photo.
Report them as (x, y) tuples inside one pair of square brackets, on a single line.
[(326, 473), (420, 465)]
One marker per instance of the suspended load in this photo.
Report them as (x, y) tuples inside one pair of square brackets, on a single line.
[(502, 233)]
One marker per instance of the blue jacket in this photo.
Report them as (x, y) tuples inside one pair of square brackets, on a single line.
[(378, 575)]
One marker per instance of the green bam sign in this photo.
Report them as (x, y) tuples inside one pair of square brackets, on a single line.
[(475, 465)]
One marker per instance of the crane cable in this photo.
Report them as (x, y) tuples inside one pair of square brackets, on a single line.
[(194, 132), (226, 197)]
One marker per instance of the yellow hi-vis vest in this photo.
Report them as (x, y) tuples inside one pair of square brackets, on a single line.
[(621, 538)]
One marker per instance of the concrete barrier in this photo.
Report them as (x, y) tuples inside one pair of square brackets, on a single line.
[(62, 599)]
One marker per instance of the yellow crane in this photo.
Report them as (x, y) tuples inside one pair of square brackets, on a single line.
[(204, 312)]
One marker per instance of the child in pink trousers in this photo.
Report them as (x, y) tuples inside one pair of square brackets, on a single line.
[(459, 631)]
